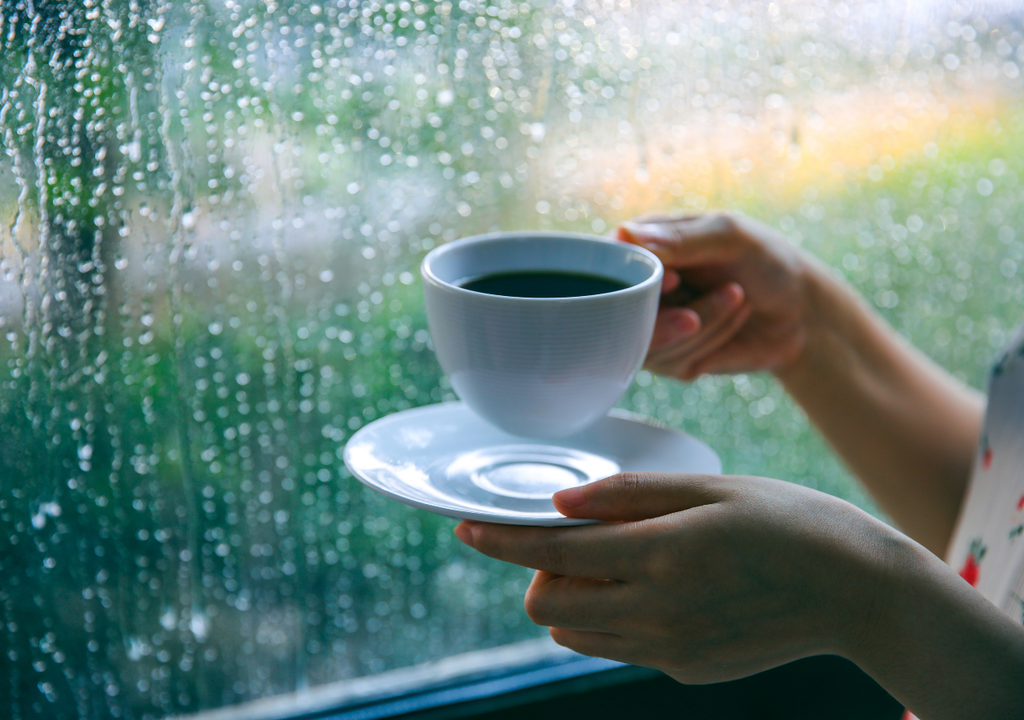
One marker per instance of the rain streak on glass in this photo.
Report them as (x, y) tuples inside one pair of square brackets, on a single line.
[(211, 220)]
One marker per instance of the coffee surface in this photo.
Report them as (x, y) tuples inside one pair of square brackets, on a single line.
[(544, 284)]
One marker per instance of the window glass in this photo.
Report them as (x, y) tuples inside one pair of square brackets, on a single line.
[(211, 219)]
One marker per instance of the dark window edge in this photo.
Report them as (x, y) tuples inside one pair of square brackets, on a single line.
[(474, 697), (484, 679)]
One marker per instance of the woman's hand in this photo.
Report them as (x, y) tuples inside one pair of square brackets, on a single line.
[(714, 578), (705, 578), (734, 296)]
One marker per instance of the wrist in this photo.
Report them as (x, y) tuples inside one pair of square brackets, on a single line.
[(861, 577), (924, 625), (882, 559), (833, 315)]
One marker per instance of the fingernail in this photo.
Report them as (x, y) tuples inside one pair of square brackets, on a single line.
[(464, 532), (571, 497)]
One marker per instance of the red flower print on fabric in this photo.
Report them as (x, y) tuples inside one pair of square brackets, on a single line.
[(971, 569), (1020, 503)]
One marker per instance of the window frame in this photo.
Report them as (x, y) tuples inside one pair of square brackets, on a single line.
[(540, 680)]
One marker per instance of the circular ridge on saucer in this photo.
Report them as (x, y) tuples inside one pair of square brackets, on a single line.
[(527, 471)]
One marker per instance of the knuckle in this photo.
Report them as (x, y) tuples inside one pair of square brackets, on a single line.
[(724, 221), (552, 554), (662, 563), (631, 485)]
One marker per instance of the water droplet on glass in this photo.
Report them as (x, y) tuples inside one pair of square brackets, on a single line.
[(209, 280)]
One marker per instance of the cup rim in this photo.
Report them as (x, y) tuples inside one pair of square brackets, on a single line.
[(429, 276)]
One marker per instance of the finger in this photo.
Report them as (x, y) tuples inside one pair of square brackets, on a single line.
[(682, 358), (730, 359), (656, 219), (598, 552), (576, 603), (718, 340), (638, 496), (706, 314), (674, 292), (685, 242), (751, 349), (670, 281), (685, 359), (674, 325)]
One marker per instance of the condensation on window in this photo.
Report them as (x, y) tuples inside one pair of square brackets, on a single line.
[(211, 219)]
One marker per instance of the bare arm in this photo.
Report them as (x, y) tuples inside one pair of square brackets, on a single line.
[(906, 428)]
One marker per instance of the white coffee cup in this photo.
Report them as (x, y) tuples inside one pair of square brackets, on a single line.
[(540, 367)]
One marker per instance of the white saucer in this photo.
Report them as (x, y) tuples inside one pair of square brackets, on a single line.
[(445, 459)]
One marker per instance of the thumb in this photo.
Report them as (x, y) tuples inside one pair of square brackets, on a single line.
[(683, 242), (639, 496)]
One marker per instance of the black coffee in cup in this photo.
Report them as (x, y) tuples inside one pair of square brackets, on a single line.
[(543, 284)]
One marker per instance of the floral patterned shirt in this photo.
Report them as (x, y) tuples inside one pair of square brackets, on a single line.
[(987, 547)]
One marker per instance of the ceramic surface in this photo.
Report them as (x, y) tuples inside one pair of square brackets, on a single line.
[(443, 458), (540, 367)]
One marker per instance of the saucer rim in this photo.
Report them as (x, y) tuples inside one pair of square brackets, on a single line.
[(462, 513)]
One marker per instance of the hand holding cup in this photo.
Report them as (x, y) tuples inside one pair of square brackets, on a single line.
[(735, 295)]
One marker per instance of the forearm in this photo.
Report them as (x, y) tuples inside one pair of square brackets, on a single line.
[(905, 427), (938, 646)]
